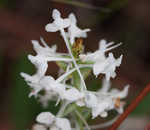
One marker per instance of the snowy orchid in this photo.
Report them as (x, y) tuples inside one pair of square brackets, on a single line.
[(69, 89), (74, 31)]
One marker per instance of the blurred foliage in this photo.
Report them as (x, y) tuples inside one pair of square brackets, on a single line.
[(114, 6), (24, 109), (93, 84), (143, 108), (8, 3)]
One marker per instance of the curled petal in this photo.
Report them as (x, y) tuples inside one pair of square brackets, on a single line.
[(45, 118)]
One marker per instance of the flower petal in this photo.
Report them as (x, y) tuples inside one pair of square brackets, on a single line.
[(72, 94), (56, 14), (66, 23), (72, 18), (45, 118), (51, 27)]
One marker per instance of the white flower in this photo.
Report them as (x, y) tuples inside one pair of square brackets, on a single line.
[(107, 67), (41, 67), (47, 53), (54, 89), (102, 64), (104, 100), (50, 84), (58, 24), (74, 31), (108, 100), (52, 122), (99, 55), (44, 55)]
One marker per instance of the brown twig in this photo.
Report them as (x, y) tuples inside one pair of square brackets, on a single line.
[(130, 108)]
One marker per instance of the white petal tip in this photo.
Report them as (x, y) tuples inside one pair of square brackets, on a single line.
[(22, 74), (56, 14)]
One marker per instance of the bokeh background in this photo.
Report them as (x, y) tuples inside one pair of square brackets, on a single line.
[(126, 21)]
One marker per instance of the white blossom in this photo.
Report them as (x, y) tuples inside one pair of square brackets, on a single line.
[(48, 53), (108, 100), (71, 94), (102, 64), (53, 122), (102, 101), (58, 24), (74, 31), (107, 67), (44, 55)]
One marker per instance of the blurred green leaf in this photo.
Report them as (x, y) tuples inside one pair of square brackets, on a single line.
[(143, 108), (93, 84)]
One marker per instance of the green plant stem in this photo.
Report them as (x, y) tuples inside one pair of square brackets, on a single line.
[(74, 61), (82, 119), (62, 109)]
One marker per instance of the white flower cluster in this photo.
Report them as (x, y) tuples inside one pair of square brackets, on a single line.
[(99, 102)]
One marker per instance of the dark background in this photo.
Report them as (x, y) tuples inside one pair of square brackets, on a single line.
[(126, 21)]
